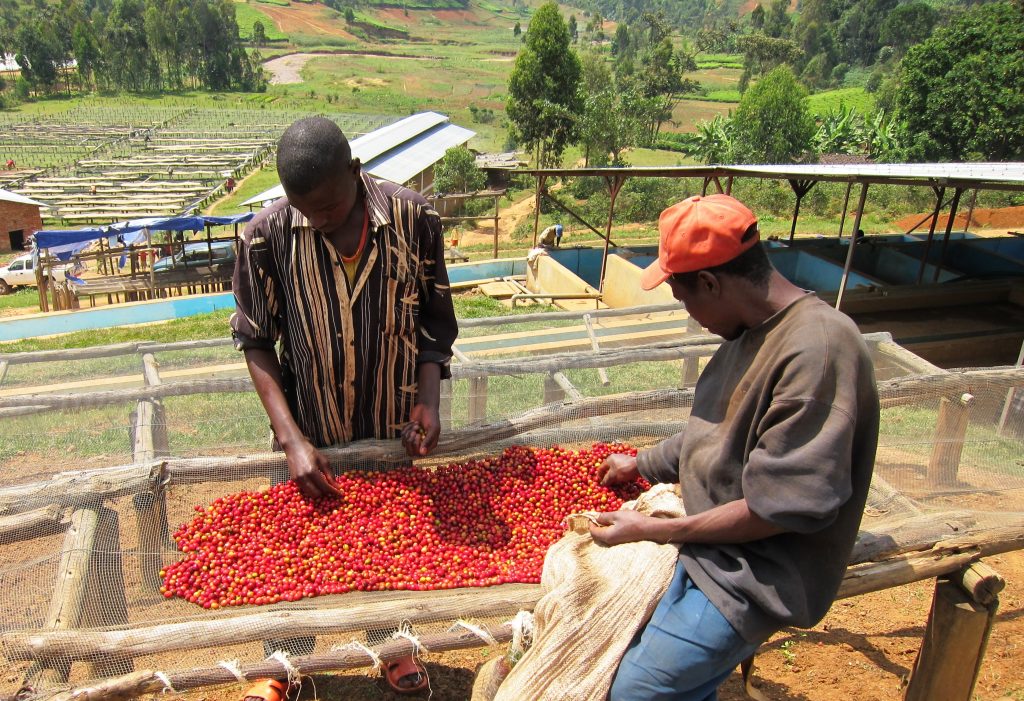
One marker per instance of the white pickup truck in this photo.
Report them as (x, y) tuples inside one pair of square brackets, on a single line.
[(20, 273)]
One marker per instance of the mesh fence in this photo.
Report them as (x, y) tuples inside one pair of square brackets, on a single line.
[(105, 458)]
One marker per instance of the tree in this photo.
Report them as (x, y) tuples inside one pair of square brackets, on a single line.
[(456, 172), (763, 53), (616, 114), (961, 92), (907, 25), (772, 123), (574, 30), (544, 100), (350, 16), (757, 17), (776, 21), (712, 143), (259, 34), (517, 30), (86, 51)]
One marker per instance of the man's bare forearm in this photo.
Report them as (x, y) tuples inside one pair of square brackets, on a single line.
[(265, 370), (428, 385)]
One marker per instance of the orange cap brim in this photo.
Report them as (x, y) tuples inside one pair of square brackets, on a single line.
[(653, 275)]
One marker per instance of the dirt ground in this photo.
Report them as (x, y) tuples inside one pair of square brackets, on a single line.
[(1000, 220), (305, 18)]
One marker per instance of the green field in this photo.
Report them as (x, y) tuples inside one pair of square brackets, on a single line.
[(823, 102)]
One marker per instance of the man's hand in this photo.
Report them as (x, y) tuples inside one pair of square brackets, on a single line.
[(627, 526), (420, 435), (310, 470), (617, 469)]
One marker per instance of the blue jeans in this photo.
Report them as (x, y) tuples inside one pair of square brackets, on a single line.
[(685, 651)]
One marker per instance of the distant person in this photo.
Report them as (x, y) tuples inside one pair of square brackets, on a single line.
[(229, 185), (10, 164), (551, 237), (92, 189)]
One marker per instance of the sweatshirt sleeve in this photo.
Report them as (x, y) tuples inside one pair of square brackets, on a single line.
[(661, 462)]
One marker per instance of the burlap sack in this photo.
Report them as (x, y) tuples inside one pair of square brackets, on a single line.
[(595, 599)]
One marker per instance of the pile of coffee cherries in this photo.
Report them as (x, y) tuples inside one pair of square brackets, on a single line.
[(476, 523)]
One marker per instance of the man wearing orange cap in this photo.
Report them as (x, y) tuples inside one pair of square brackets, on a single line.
[(774, 462)]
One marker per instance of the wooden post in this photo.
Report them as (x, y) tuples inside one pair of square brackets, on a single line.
[(954, 645), (614, 186), (496, 198), (948, 444), (536, 208), (691, 366), (69, 594), (106, 604), (150, 506), (445, 405), (477, 399), (552, 391), (601, 373)]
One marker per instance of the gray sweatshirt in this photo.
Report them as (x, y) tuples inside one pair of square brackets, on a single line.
[(785, 416)]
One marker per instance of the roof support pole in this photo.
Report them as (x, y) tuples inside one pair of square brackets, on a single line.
[(704, 187), (614, 185), (853, 244), (949, 228), (939, 194), (800, 188), (846, 205), (970, 210), (565, 208), (151, 257), (728, 186), (536, 208)]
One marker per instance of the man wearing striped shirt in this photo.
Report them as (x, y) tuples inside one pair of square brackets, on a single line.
[(347, 273)]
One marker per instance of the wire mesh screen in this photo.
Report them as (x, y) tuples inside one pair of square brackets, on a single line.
[(100, 477)]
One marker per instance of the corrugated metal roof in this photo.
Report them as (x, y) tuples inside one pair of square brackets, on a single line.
[(380, 141), (402, 164), (398, 152), (8, 196)]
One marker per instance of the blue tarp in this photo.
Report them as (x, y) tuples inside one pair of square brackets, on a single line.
[(53, 239)]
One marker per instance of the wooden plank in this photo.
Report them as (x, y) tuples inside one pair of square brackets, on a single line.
[(31, 524), (356, 612)]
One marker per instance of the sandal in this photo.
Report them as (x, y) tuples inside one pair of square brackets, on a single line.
[(267, 690), (408, 669)]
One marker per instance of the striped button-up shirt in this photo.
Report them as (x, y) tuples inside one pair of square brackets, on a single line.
[(348, 352)]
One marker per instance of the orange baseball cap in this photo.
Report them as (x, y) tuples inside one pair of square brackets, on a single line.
[(699, 233)]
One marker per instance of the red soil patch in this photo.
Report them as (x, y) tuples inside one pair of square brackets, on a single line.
[(305, 19), (1003, 218)]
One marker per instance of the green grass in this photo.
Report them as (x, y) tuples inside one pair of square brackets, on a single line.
[(25, 298), (720, 61), (253, 184), (733, 96), (823, 102), (247, 15)]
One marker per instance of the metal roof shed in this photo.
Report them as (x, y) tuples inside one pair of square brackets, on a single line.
[(402, 164)]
